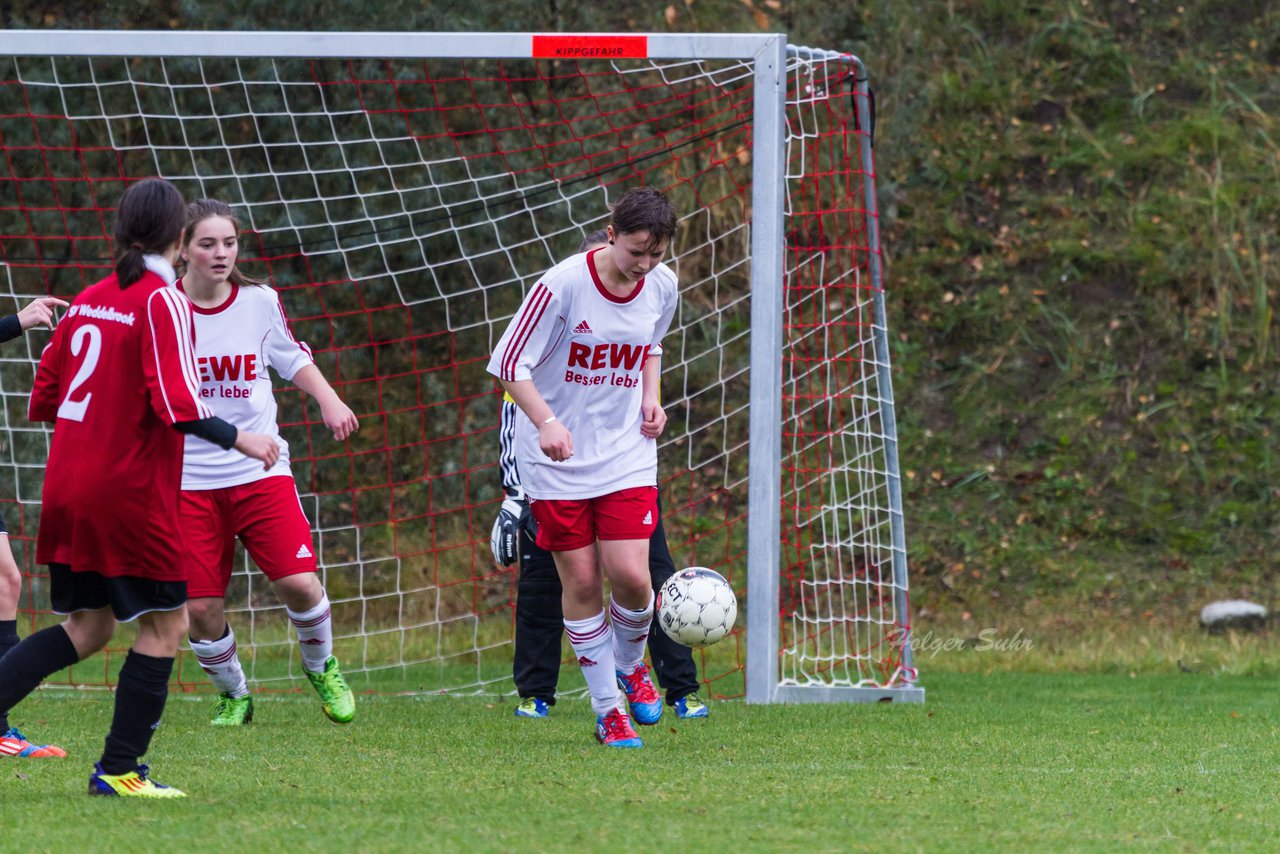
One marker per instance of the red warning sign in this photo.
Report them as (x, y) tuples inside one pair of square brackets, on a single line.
[(590, 47)]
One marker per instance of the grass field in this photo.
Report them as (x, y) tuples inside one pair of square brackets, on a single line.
[(1000, 761)]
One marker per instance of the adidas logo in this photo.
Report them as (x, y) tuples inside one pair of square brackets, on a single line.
[(644, 637), (586, 662), (303, 551), (648, 518), (582, 329)]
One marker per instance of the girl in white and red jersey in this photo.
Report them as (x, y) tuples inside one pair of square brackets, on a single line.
[(241, 331), (582, 360), (117, 378)]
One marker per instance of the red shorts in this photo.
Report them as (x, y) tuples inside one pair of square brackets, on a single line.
[(267, 516), (568, 524)]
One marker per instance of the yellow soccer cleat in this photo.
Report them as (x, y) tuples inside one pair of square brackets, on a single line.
[(132, 784)]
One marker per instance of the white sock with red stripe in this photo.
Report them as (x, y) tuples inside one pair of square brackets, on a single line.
[(630, 631), (315, 634), (218, 658), (592, 642)]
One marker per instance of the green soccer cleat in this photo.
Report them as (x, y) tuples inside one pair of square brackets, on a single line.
[(232, 711), (339, 703)]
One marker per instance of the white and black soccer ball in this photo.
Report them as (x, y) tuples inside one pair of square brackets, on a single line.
[(696, 607)]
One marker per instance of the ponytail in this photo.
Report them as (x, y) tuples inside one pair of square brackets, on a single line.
[(130, 266), (149, 219)]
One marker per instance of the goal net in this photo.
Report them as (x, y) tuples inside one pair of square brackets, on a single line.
[(401, 192)]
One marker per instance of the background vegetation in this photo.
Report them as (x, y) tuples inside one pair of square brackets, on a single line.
[(1082, 221), (1079, 211)]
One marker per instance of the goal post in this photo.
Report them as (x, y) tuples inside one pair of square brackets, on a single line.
[(401, 191)]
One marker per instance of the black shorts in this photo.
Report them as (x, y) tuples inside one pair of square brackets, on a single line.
[(129, 596)]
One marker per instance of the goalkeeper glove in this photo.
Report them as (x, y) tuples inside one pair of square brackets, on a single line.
[(503, 541)]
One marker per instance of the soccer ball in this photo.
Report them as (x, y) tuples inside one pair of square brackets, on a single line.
[(696, 607)]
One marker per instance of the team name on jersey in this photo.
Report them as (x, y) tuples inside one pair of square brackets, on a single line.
[(627, 357), (98, 312), (227, 369)]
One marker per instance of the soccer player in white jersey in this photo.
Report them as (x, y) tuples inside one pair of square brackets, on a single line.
[(241, 331), (582, 360), (539, 619)]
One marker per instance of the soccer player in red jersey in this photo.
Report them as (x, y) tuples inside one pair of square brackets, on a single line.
[(581, 358), (539, 618), (118, 380), (38, 312), (241, 330)]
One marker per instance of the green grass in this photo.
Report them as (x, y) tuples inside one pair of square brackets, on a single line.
[(1003, 761)]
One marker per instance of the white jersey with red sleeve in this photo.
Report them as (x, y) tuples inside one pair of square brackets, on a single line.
[(236, 343), (584, 350), (118, 373)]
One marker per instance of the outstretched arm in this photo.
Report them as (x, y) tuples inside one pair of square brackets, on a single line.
[(38, 312), (292, 359), (337, 416)]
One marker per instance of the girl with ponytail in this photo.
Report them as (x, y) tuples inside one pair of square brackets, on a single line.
[(118, 382)]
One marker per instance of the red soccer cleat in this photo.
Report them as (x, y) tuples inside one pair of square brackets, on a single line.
[(614, 730), (13, 743)]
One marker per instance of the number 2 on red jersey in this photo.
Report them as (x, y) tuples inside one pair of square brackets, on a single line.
[(88, 338)]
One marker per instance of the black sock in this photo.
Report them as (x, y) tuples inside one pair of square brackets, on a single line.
[(26, 665), (8, 635), (8, 640), (141, 692)]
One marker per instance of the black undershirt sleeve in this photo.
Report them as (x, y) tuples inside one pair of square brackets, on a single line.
[(10, 328), (214, 429)]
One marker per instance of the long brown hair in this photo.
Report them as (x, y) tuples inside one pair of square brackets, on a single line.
[(148, 221), (202, 209)]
